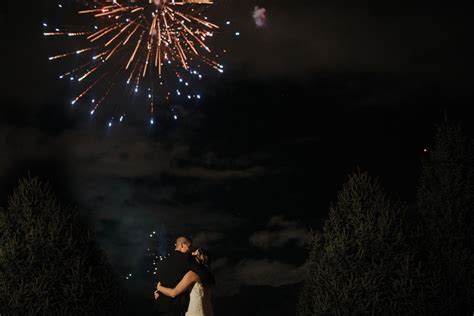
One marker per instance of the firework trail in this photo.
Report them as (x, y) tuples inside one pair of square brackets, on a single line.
[(153, 43)]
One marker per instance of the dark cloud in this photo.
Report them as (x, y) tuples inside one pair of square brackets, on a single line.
[(207, 240), (250, 272), (279, 233), (130, 154)]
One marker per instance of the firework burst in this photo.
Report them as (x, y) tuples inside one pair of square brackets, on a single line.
[(146, 45)]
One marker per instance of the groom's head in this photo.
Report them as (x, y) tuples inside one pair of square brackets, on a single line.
[(184, 244)]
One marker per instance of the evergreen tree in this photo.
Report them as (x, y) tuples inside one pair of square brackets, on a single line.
[(445, 201), (50, 263), (364, 260)]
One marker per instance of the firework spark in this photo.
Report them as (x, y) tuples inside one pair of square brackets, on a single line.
[(143, 41)]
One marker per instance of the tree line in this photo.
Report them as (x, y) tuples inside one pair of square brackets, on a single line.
[(50, 262), (377, 256)]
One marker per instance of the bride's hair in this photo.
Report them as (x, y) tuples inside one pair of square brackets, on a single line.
[(202, 257)]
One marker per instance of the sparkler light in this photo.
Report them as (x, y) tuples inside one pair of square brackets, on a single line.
[(157, 43), (159, 249)]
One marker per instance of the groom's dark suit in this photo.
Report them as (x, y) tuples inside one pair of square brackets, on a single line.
[(170, 271)]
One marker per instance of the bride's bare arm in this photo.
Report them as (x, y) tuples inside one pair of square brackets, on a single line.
[(189, 279)]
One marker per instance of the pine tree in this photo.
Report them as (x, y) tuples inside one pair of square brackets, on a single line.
[(50, 263), (446, 205), (364, 260)]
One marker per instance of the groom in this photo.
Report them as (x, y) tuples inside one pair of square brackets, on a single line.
[(171, 270)]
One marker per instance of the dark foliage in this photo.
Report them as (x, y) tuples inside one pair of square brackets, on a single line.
[(371, 258), (364, 260), (50, 263), (446, 205)]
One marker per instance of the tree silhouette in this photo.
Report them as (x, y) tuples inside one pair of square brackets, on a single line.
[(50, 263), (364, 260), (446, 205)]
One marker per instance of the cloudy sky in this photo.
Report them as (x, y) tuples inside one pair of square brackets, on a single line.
[(313, 89)]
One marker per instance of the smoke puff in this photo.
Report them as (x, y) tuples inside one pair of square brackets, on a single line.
[(260, 16)]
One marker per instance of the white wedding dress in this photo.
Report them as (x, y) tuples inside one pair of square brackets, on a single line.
[(200, 301)]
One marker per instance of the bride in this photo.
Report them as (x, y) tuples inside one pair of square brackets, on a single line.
[(200, 297)]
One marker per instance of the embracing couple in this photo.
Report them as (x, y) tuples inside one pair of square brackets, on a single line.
[(184, 282)]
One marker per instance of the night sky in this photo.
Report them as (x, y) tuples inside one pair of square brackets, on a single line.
[(312, 91)]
